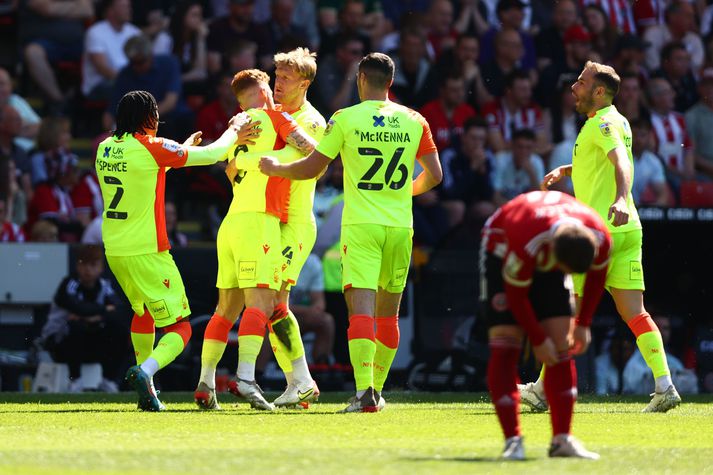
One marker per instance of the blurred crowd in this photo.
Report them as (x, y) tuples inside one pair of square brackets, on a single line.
[(491, 77)]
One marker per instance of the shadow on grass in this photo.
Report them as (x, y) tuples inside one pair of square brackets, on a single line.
[(461, 459)]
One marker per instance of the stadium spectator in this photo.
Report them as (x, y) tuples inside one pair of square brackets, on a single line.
[(637, 377), (175, 237), (10, 127), (511, 14), (609, 365), (10, 188), (87, 198), (698, 123), (629, 57), (286, 34), (676, 68), (154, 23), (604, 35), (9, 231), (561, 156), (238, 25), (213, 116), (507, 59), (51, 32), (463, 60), (467, 172), (617, 13), (549, 43), (335, 85), (447, 114), (563, 73), (85, 322), (396, 12), (441, 35), (44, 231), (30, 119), (93, 233), (680, 26), (629, 102), (303, 18), (308, 304), (672, 142), (414, 21), (649, 186), (53, 142), (351, 15), (161, 76), (563, 118), (104, 49), (239, 56), (648, 13), (189, 31), (415, 79), (515, 110), (469, 18), (51, 200), (518, 170)]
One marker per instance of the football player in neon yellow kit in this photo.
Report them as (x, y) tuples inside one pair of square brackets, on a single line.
[(379, 142), (131, 167), (602, 173), (249, 245)]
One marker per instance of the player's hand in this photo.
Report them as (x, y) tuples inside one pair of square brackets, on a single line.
[(546, 352), (551, 178), (231, 171), (248, 133), (619, 212), (194, 139), (582, 339), (269, 165)]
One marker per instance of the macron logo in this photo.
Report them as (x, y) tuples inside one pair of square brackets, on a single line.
[(265, 248), (167, 283)]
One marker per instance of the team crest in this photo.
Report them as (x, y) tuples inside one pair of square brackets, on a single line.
[(605, 129), (330, 124)]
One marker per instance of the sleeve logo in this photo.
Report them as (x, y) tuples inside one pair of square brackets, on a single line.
[(330, 124), (287, 116), (605, 129), (171, 146)]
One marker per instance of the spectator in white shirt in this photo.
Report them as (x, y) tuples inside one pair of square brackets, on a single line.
[(518, 170), (649, 186)]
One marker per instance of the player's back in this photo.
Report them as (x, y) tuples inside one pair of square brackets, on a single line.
[(253, 191), (381, 141), (132, 185)]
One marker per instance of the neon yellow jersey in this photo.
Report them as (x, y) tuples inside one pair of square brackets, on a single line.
[(592, 171), (378, 142), (302, 191), (252, 190)]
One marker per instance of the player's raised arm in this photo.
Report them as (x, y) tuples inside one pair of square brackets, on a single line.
[(619, 210)]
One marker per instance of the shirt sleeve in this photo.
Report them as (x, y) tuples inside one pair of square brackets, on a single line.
[(284, 124), (426, 145), (94, 42), (333, 139), (167, 153), (607, 137)]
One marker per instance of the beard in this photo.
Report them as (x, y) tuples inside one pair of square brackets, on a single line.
[(584, 104)]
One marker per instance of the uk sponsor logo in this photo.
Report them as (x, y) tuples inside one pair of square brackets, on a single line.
[(378, 121), (107, 150), (394, 122)]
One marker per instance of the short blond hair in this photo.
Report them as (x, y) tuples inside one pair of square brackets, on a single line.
[(248, 78), (301, 60), (605, 76)]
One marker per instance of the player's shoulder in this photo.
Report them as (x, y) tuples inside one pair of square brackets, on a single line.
[(407, 111)]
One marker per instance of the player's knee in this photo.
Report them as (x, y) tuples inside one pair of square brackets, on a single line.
[(182, 328)]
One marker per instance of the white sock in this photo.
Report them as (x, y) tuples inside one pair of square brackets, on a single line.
[(150, 367), (663, 382), (246, 371), (300, 371), (208, 376), (289, 378)]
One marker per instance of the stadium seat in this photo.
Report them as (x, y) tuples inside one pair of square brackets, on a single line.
[(696, 194)]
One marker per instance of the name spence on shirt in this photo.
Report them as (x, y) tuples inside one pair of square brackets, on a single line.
[(116, 155)]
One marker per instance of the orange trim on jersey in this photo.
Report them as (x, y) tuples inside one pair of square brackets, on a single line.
[(426, 145), (166, 153), (282, 125), (159, 212), (277, 196), (348, 286), (263, 286)]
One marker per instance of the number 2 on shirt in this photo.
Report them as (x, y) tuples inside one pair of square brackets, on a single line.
[(111, 213)]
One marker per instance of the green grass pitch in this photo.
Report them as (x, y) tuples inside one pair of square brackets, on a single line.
[(417, 433)]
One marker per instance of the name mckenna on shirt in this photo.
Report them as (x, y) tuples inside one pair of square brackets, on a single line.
[(384, 136)]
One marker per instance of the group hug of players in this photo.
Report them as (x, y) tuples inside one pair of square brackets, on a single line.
[(537, 251)]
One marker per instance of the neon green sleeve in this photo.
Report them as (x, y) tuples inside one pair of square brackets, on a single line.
[(250, 160), (608, 137), (213, 153), (333, 139)]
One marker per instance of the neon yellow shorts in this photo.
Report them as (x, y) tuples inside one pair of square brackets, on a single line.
[(249, 251), (297, 242), (625, 270), (375, 256), (153, 281)]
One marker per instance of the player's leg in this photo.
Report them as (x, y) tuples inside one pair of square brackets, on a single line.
[(362, 248), (392, 281), (625, 282), (143, 334), (505, 341)]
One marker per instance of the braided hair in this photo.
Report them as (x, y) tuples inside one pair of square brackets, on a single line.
[(137, 111)]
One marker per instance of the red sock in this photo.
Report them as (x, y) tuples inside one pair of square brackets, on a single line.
[(561, 392), (252, 323), (218, 328), (387, 331), (143, 323), (502, 383), (182, 328)]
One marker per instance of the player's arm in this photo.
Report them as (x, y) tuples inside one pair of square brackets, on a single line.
[(301, 140), (427, 156), (555, 175), (623, 172), (304, 169)]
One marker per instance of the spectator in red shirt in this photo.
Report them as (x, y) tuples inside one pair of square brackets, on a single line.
[(447, 114), (514, 111), (9, 231), (214, 115), (617, 13), (87, 198)]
